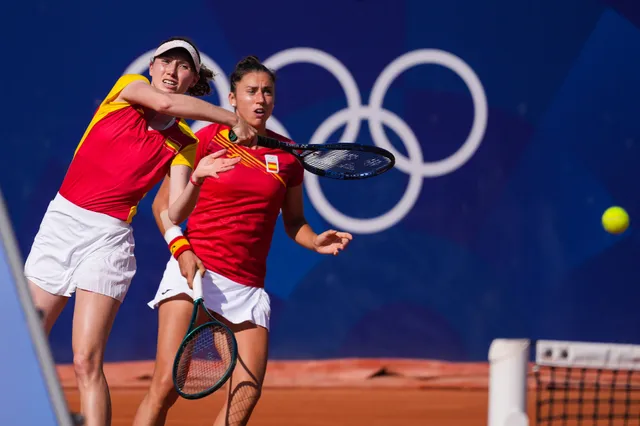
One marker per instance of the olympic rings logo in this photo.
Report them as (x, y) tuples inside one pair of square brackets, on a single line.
[(377, 117)]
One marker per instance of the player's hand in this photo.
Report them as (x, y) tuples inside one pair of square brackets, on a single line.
[(246, 135), (190, 265), (212, 164), (331, 242)]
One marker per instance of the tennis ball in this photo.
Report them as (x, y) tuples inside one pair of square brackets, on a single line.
[(615, 220)]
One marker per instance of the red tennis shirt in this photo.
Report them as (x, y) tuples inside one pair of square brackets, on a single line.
[(119, 159), (232, 225)]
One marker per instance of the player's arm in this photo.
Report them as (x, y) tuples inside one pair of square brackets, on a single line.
[(179, 192), (184, 106), (183, 194), (176, 105), (184, 188), (296, 226), (175, 199), (178, 244), (160, 206)]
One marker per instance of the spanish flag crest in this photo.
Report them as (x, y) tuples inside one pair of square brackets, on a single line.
[(271, 161)]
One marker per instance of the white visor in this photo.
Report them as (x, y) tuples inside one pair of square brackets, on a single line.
[(175, 44)]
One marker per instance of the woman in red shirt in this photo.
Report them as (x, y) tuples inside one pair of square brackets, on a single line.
[(228, 238), (85, 242)]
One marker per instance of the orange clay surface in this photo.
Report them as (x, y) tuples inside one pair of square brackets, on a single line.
[(334, 393)]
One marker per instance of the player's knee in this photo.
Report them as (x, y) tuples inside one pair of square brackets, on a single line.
[(163, 390), (87, 365)]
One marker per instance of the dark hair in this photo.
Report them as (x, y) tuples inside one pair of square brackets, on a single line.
[(202, 87), (249, 64), (205, 75)]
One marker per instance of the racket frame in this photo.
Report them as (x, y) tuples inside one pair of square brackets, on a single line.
[(192, 332), (307, 149)]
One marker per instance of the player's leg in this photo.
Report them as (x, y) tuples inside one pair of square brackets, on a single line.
[(50, 305), (49, 261), (101, 279), (92, 321), (245, 386), (174, 315)]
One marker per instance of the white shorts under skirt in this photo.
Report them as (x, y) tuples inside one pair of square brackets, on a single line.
[(77, 248), (235, 302)]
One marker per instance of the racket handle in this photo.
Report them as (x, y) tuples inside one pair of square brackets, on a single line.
[(262, 140), (197, 286), (268, 142)]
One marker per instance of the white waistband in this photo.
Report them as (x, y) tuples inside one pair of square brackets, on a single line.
[(65, 206)]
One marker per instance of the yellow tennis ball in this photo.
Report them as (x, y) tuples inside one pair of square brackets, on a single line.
[(615, 220)]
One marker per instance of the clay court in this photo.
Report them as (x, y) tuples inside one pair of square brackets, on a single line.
[(319, 407), (385, 392), (318, 393)]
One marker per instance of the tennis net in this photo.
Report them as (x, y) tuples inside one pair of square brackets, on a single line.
[(573, 383)]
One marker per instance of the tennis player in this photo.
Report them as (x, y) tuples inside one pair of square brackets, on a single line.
[(228, 238), (85, 242)]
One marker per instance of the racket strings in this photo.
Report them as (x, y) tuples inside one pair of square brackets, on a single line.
[(205, 360), (346, 161)]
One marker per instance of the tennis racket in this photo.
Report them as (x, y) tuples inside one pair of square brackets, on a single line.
[(345, 161), (207, 355)]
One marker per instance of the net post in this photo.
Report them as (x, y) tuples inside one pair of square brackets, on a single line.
[(508, 363)]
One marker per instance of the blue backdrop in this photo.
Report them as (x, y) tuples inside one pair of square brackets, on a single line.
[(515, 125)]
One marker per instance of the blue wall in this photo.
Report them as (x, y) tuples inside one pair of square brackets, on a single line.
[(504, 241)]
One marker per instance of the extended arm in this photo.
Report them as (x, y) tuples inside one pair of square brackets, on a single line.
[(185, 106), (296, 226)]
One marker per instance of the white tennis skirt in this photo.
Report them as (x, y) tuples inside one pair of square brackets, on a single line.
[(235, 302), (78, 248)]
